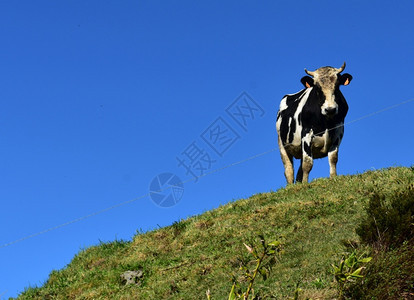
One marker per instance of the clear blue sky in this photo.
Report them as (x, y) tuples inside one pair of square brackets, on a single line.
[(97, 98)]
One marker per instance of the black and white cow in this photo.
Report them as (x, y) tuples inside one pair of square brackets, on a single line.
[(310, 123)]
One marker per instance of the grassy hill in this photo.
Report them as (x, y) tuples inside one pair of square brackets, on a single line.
[(317, 222)]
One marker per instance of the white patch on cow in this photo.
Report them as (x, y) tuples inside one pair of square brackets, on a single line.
[(321, 144), (289, 126), (308, 137), (326, 140), (283, 105), (278, 122), (318, 142)]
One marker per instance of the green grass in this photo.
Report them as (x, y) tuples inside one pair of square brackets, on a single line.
[(182, 261)]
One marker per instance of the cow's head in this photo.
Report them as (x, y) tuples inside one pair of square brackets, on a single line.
[(327, 80)]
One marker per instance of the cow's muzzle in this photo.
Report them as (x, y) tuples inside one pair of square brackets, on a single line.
[(330, 111)]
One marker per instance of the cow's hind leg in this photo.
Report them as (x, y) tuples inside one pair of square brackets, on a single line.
[(287, 160)]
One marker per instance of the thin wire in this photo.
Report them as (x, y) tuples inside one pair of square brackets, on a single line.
[(192, 179), (74, 221), (380, 111)]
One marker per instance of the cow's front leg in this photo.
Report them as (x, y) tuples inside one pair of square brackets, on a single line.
[(287, 162), (306, 162), (333, 159)]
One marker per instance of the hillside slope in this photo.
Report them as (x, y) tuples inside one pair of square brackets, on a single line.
[(182, 261)]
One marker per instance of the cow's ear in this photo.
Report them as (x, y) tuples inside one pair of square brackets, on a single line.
[(307, 81), (345, 79)]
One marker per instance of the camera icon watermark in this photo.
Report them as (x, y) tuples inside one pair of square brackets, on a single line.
[(166, 189)]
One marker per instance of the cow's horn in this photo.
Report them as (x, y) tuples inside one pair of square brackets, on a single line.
[(310, 73), (341, 68)]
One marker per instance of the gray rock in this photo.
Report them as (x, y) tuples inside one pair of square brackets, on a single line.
[(132, 277)]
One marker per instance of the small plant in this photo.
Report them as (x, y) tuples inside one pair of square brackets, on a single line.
[(390, 275), (265, 256), (348, 270), (318, 283), (390, 220)]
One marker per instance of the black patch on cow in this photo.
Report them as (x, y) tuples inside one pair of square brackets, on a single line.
[(292, 102), (337, 139), (311, 116), (292, 129), (307, 149), (300, 119)]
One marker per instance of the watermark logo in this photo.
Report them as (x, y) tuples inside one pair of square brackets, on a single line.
[(195, 161), (199, 157), (244, 109), (166, 189), (220, 136)]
